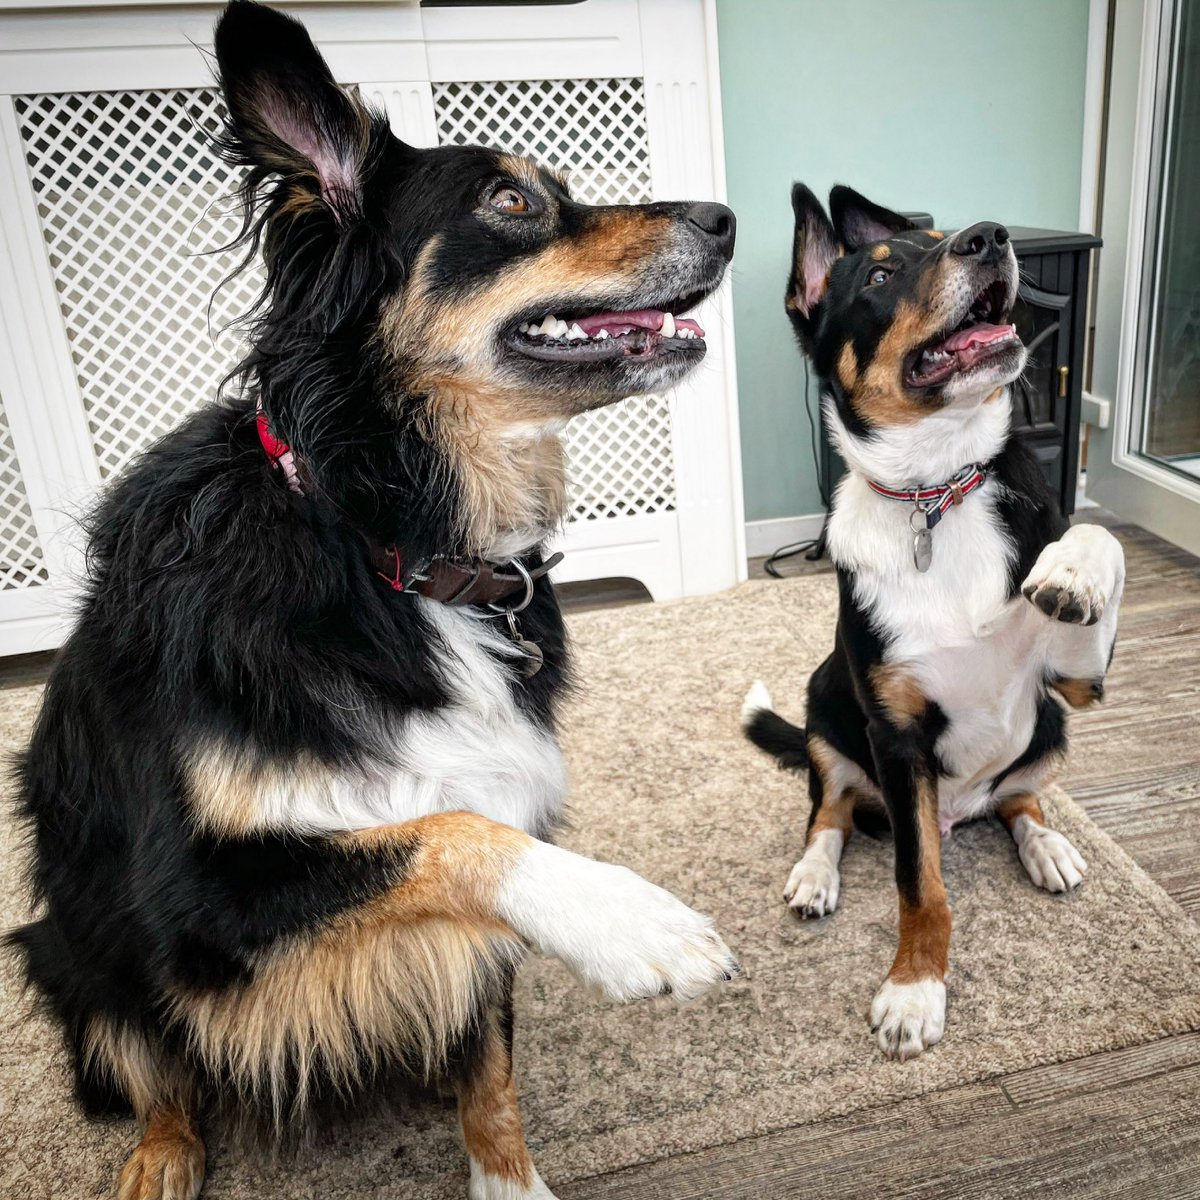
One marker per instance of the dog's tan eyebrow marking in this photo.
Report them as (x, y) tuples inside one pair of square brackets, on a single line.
[(882, 251), (936, 234), (521, 169)]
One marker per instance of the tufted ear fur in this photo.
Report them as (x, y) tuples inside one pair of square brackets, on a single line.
[(858, 222), (286, 113), (815, 249)]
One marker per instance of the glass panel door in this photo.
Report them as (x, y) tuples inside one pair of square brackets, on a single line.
[(1166, 427)]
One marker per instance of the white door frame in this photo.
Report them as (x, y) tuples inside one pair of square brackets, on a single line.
[(1133, 486)]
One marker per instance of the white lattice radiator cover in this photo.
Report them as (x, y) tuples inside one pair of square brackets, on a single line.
[(21, 562), (130, 197)]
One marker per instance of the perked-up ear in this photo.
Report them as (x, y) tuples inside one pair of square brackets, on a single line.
[(814, 251), (859, 222), (287, 115)]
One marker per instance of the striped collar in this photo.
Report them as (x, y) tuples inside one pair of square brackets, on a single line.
[(936, 499)]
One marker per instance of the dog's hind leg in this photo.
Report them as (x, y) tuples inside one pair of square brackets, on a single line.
[(501, 1168), (168, 1163), (1049, 858), (814, 884)]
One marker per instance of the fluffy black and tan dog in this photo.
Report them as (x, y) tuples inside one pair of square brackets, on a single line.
[(968, 608), (292, 782)]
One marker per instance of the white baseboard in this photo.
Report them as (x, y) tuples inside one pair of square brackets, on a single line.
[(762, 537)]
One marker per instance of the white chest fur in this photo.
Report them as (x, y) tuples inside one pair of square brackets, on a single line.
[(981, 656), (479, 752)]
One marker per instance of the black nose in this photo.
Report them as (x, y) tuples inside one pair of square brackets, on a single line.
[(717, 222), (985, 240)]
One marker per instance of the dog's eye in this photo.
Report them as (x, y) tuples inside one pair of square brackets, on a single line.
[(878, 276), (511, 200)]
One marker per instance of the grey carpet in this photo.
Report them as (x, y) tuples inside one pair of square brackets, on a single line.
[(662, 781)]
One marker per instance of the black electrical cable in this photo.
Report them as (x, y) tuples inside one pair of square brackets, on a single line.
[(813, 546)]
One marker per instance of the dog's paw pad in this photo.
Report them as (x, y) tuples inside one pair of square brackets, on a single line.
[(908, 1018)]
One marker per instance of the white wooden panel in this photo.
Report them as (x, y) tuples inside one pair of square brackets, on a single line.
[(597, 37)]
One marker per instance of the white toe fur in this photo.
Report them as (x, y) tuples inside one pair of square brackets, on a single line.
[(612, 928), (813, 886), (909, 1017), (493, 1187), (1052, 862)]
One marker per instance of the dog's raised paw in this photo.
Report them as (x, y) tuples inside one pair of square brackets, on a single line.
[(613, 929), (908, 1018), (1075, 578)]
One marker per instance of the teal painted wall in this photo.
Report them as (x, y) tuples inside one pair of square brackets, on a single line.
[(968, 109)]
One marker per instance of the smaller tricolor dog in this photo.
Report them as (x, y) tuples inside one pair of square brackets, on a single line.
[(968, 608)]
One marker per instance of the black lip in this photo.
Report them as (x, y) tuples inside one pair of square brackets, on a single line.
[(639, 345)]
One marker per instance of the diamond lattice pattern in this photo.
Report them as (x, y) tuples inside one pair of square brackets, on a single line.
[(594, 129), (129, 195), (21, 562)]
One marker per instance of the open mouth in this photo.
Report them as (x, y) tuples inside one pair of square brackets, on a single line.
[(590, 336), (981, 337)]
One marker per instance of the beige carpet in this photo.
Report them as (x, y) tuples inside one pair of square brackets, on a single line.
[(664, 782)]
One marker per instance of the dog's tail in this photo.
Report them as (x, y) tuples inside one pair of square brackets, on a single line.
[(785, 742), (788, 745)]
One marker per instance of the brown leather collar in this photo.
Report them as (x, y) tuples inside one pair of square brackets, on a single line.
[(455, 581), (461, 581)]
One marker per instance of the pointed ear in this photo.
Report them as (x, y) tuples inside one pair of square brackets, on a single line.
[(286, 113), (814, 251), (859, 222)]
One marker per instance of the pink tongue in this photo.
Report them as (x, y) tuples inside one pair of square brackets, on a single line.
[(624, 322), (977, 335)]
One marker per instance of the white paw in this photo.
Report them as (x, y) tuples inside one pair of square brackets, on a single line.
[(1076, 578), (907, 1018), (1052, 862), (813, 886), (612, 928), (484, 1186)]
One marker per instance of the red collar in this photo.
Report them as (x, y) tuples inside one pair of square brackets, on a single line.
[(450, 581), (935, 500), (280, 453)]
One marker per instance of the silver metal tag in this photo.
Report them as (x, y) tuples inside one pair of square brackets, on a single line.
[(533, 656), (923, 549)]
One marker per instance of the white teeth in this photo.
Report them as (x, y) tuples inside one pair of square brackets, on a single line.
[(575, 334), (560, 329), (601, 335), (668, 326), (525, 328), (685, 333)]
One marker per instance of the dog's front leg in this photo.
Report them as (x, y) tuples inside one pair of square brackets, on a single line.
[(612, 928), (501, 1167), (909, 1011), (1077, 582)]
